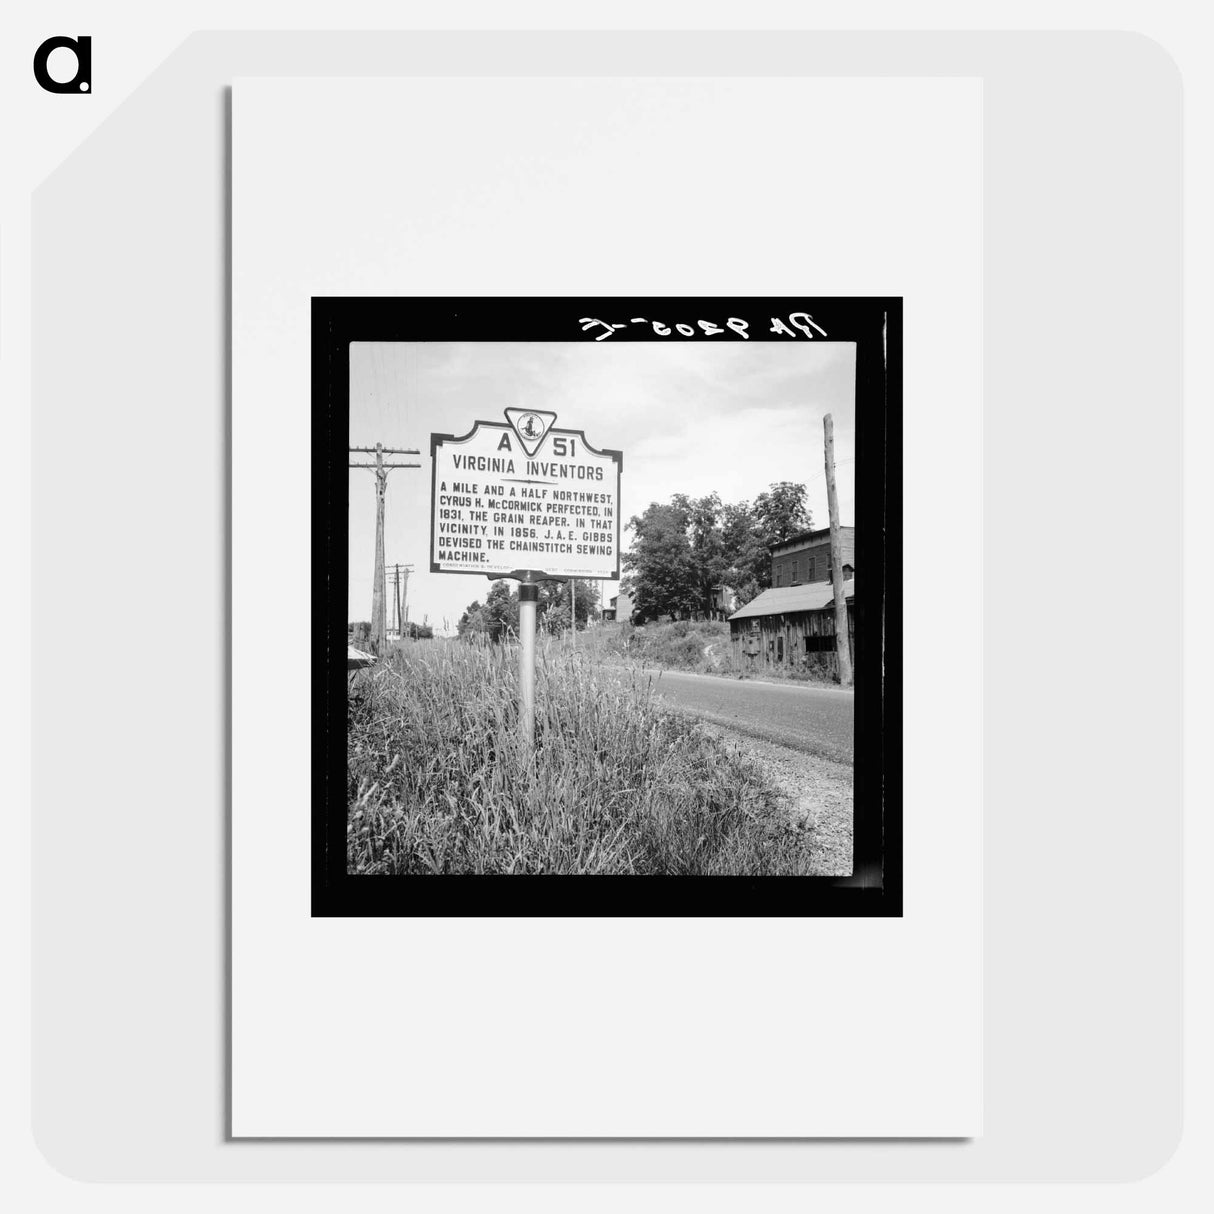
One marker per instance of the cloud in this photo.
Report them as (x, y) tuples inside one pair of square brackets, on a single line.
[(690, 417)]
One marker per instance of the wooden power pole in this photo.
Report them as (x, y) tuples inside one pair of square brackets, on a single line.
[(842, 637), (379, 628), (400, 597)]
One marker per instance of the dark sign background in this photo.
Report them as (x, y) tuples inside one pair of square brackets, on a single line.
[(875, 325)]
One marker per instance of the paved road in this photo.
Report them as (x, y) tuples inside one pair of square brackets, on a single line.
[(817, 720)]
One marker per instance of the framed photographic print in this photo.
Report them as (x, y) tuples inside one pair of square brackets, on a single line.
[(606, 606), (568, 655)]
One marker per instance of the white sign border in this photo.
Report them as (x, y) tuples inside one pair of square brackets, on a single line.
[(519, 573)]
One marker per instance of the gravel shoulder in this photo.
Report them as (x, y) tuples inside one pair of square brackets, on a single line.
[(819, 794), (817, 788)]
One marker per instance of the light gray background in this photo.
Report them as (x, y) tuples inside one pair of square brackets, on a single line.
[(1082, 519)]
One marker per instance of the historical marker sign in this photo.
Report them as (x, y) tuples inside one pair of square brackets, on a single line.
[(521, 495)]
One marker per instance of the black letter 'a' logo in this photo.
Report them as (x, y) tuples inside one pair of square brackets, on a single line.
[(82, 48)]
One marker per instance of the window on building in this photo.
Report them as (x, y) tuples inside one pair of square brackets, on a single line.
[(812, 569), (796, 576)]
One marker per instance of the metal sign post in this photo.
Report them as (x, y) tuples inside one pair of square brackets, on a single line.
[(524, 499), (528, 597)]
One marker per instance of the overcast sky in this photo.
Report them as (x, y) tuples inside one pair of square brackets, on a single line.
[(689, 418)]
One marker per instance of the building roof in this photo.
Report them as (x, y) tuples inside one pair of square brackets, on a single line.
[(801, 537), (356, 659), (812, 596)]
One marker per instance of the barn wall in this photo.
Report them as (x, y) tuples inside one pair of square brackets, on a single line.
[(790, 640)]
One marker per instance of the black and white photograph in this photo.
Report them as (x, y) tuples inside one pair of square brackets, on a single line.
[(613, 580)]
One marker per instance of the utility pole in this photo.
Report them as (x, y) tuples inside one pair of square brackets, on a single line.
[(400, 596), (842, 638), (394, 574), (379, 631)]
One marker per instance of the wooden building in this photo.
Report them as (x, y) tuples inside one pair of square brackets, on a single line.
[(620, 608), (806, 557), (790, 628), (723, 600)]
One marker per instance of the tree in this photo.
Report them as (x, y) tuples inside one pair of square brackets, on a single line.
[(501, 612), (706, 539), (685, 547), (661, 564), (751, 531), (745, 551), (747, 590), (781, 512), (553, 606), (495, 618), (472, 621)]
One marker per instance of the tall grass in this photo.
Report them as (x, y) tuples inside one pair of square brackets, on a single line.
[(700, 645), (440, 782)]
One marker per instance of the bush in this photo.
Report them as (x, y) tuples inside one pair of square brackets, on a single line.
[(439, 780), (701, 645)]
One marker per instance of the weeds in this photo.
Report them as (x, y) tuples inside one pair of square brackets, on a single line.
[(439, 781), (701, 645)]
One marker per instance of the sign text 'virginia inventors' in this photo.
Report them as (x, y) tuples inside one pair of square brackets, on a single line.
[(524, 495)]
